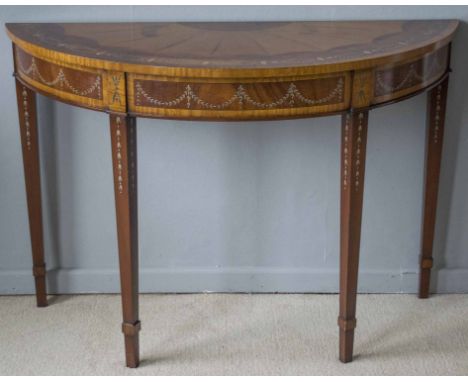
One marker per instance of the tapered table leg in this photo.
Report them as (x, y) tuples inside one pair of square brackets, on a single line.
[(436, 104), (353, 156), (29, 142), (123, 137)]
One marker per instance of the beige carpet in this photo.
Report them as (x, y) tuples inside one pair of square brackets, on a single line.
[(232, 334)]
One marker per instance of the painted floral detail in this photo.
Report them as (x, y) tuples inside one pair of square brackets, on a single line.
[(437, 117), (357, 173), (290, 97), (61, 80), (118, 133), (116, 93), (346, 153), (24, 94)]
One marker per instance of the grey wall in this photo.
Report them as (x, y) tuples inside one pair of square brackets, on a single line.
[(233, 206)]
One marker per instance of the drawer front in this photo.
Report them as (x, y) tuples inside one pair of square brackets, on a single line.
[(403, 79), (95, 89), (220, 99)]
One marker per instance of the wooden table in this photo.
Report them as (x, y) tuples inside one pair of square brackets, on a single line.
[(232, 72)]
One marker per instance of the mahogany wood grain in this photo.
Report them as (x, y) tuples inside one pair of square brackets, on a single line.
[(436, 106), (83, 83), (216, 99), (407, 77), (70, 83), (124, 162), (29, 142), (353, 163)]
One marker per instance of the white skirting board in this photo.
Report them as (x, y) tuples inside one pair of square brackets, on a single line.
[(243, 280)]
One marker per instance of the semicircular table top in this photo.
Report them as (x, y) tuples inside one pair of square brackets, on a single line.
[(231, 70), (237, 45)]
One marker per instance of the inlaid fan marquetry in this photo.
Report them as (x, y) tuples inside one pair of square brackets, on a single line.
[(235, 45)]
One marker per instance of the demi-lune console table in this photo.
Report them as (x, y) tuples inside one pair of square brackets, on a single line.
[(232, 71)]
